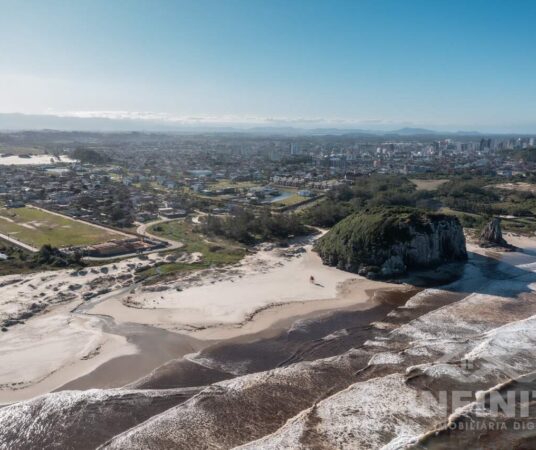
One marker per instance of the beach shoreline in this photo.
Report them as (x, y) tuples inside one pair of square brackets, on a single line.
[(261, 288), (252, 301), (249, 302), (53, 349)]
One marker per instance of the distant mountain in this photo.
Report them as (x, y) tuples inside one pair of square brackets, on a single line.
[(412, 131), (468, 133), (27, 122), (18, 122)]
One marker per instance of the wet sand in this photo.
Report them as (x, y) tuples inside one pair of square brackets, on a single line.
[(169, 360), (103, 343), (42, 355), (235, 320), (154, 347)]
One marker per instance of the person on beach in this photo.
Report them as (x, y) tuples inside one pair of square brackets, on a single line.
[(312, 279)]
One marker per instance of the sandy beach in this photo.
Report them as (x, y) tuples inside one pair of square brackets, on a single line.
[(74, 322), (48, 344), (92, 321), (42, 354), (264, 289)]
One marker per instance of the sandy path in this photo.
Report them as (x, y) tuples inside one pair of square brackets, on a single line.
[(18, 243)]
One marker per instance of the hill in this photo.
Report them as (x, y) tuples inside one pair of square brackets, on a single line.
[(386, 242)]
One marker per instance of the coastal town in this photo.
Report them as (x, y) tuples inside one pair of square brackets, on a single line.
[(267, 225), (121, 181), (143, 177)]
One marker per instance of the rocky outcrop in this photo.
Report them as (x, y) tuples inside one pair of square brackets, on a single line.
[(491, 235), (389, 242)]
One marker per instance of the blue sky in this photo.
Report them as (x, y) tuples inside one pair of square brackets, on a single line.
[(368, 64)]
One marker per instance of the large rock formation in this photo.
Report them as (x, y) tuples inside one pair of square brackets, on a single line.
[(388, 242)]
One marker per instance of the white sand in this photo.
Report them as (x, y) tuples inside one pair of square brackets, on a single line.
[(34, 160), (227, 307), (54, 346), (523, 242), (50, 350)]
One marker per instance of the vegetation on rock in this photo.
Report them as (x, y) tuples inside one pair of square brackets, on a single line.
[(389, 241)]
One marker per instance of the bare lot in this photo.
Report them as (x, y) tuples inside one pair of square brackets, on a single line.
[(428, 185), (36, 228)]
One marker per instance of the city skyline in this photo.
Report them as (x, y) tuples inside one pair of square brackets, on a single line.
[(347, 65)]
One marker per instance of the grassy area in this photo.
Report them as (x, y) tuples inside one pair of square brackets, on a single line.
[(19, 260), (428, 185), (216, 252), (22, 261), (520, 225), (37, 228), (450, 211), (468, 220)]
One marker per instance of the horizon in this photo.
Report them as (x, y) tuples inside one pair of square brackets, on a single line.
[(375, 66), (20, 122)]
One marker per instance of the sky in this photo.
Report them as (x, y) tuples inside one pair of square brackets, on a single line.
[(379, 64)]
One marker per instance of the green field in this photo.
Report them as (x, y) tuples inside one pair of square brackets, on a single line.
[(36, 228), (216, 252)]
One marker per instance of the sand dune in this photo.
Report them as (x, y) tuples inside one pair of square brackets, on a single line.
[(265, 287)]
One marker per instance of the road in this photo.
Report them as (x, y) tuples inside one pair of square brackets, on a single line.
[(5, 237), (142, 230)]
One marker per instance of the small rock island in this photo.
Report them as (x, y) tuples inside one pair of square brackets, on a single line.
[(492, 237), (389, 242)]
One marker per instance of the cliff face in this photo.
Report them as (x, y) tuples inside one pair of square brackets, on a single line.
[(389, 242)]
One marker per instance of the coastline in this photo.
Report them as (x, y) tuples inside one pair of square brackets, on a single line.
[(223, 308), (60, 347), (253, 302)]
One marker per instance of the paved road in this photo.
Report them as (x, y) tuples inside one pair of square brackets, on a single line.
[(142, 230), (18, 243)]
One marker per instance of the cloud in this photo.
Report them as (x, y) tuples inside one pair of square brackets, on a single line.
[(251, 120)]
